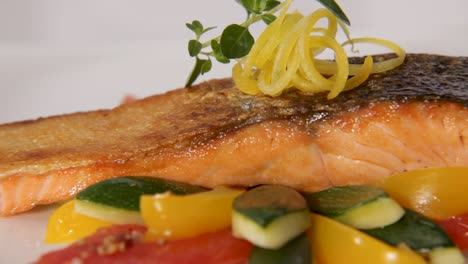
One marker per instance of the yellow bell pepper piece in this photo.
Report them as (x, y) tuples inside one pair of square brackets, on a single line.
[(178, 216), (437, 193), (66, 225), (334, 242)]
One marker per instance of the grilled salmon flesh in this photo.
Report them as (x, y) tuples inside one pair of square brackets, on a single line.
[(212, 134)]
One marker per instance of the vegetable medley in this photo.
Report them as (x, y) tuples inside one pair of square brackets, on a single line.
[(381, 223)]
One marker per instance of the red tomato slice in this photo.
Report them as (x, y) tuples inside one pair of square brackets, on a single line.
[(210, 248), (457, 228), (88, 248)]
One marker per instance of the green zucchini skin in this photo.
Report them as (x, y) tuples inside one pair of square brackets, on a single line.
[(414, 230), (360, 206), (336, 201), (266, 203), (296, 251), (124, 192), (269, 216)]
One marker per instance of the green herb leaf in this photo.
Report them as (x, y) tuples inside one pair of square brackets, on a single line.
[(217, 52), (194, 47), (336, 10), (251, 6), (206, 66), (271, 4), (259, 6), (197, 70), (268, 18), (236, 41), (196, 27), (201, 67), (207, 29)]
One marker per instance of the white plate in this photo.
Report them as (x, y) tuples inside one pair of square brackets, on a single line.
[(62, 56)]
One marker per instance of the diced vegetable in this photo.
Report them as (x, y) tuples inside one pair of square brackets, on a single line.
[(437, 193), (420, 234), (123, 244), (362, 206), (415, 230), (457, 228), (108, 213), (118, 199), (66, 225), (178, 216), (269, 216), (296, 251), (450, 255), (334, 242)]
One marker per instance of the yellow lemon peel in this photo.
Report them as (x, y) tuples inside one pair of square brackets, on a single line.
[(285, 56)]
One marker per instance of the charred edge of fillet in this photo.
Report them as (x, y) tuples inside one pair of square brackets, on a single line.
[(215, 108), (422, 78)]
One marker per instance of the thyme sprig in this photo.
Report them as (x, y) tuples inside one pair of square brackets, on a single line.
[(236, 40)]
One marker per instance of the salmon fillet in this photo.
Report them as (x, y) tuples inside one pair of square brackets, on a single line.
[(211, 134)]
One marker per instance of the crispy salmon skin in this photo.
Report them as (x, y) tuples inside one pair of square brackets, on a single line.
[(212, 134)]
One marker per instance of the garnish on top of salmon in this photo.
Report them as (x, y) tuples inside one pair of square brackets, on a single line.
[(212, 134)]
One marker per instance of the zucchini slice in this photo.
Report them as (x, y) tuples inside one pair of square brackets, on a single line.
[(108, 213), (296, 251), (422, 235), (450, 255), (118, 199), (360, 206), (269, 216)]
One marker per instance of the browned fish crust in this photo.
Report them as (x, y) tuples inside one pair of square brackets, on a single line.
[(412, 117)]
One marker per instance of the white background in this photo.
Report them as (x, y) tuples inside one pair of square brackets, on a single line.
[(60, 56)]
